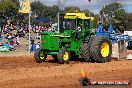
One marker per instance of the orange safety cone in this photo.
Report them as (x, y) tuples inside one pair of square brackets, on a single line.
[(84, 81)]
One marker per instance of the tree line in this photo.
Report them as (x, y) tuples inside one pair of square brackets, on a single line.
[(114, 12)]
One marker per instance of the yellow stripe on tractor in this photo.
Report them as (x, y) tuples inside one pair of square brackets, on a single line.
[(60, 36), (77, 15)]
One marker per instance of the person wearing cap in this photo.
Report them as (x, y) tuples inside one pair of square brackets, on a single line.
[(39, 41)]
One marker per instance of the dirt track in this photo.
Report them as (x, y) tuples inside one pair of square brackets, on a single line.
[(22, 71)]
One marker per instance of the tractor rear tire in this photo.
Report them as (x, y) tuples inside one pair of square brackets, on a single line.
[(63, 56), (85, 49), (101, 49), (38, 57)]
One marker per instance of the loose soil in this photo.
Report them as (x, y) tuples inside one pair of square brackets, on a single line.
[(21, 71)]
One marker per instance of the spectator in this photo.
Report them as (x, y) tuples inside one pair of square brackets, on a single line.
[(49, 29), (37, 45), (37, 34), (18, 40), (32, 40), (1, 43), (14, 42), (33, 47), (39, 41), (1, 36), (6, 45)]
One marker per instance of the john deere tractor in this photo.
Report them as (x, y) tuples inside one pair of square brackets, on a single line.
[(75, 37)]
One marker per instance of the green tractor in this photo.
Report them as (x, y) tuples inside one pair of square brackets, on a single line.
[(75, 37)]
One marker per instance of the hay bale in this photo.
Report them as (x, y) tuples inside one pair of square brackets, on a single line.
[(115, 51), (119, 50)]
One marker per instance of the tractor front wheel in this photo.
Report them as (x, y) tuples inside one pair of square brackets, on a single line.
[(39, 55), (63, 56)]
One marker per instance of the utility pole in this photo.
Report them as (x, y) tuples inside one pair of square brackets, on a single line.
[(29, 29)]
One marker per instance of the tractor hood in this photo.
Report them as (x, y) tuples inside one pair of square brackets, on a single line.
[(51, 40)]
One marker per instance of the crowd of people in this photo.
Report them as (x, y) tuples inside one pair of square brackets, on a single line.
[(12, 32)]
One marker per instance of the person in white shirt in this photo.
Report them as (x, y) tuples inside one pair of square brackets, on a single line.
[(37, 45), (79, 31)]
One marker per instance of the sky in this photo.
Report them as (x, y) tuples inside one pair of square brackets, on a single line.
[(93, 6)]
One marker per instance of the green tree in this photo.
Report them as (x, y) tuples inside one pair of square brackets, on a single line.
[(43, 10), (52, 11), (72, 9), (39, 8), (129, 22), (8, 8), (114, 12), (97, 18), (112, 7), (87, 12), (121, 19)]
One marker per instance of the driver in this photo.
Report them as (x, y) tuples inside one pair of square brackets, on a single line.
[(79, 30)]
